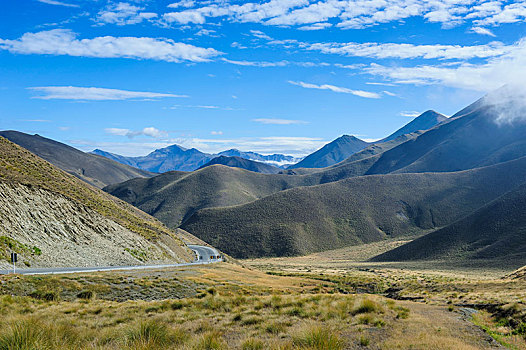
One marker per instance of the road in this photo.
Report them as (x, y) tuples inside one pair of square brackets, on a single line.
[(209, 255)]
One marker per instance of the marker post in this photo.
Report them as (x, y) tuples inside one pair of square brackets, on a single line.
[(14, 259)]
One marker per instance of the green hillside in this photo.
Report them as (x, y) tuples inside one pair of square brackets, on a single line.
[(174, 196), (495, 233), (352, 211), (94, 169)]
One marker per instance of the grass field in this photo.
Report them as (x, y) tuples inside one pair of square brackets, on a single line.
[(227, 306)]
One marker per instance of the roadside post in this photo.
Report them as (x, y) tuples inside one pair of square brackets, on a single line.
[(14, 259)]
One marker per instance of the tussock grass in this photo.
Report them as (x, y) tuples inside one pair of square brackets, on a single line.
[(316, 337)]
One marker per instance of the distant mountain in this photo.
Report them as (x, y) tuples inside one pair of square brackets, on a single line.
[(496, 232), (238, 162), (332, 153), (165, 159), (54, 219), (278, 160), (95, 170), (352, 211), (424, 121), (181, 159)]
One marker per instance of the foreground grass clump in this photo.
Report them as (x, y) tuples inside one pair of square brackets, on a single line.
[(319, 338)]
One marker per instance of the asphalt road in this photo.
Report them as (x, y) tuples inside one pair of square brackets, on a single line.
[(208, 255)]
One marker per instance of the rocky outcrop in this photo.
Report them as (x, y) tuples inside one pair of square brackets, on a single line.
[(50, 230)]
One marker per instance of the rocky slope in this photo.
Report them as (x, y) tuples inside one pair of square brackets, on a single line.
[(54, 219)]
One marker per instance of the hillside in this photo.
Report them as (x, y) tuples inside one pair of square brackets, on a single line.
[(332, 153), (496, 233), (173, 196), (424, 121), (472, 140), (95, 170), (54, 219), (238, 162), (352, 211)]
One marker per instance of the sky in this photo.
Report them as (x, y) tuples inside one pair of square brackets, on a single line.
[(278, 76)]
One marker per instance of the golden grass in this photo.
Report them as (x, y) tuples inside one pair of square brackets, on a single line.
[(233, 308)]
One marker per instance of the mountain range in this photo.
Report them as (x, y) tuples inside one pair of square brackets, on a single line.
[(181, 159), (445, 184), (417, 182)]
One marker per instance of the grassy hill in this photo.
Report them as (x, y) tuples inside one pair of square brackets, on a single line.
[(172, 197), (352, 211), (84, 208), (95, 170), (495, 233), (242, 163)]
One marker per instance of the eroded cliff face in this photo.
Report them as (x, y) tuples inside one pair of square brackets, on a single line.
[(51, 230)]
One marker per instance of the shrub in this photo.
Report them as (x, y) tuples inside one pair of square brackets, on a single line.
[(366, 306), (87, 294), (45, 294)]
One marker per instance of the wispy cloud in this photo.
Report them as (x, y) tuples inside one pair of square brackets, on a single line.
[(219, 132), (278, 121), (122, 14), (65, 42), (482, 31), (484, 77), (356, 14), (93, 93), (58, 3), (283, 63), (411, 114), (360, 93), (149, 131)]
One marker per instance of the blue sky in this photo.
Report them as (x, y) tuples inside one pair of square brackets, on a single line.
[(270, 76)]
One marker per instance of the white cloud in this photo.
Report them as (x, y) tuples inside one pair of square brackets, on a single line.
[(122, 14), (353, 14), (411, 114), (149, 131), (482, 31), (360, 93), (58, 3), (182, 3), (278, 121), (93, 93), (316, 26), (184, 17), (409, 51), (216, 132), (486, 76), (283, 63), (65, 42)]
